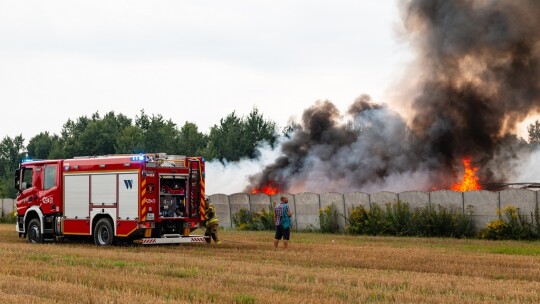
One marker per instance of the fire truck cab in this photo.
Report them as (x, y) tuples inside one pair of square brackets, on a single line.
[(149, 198)]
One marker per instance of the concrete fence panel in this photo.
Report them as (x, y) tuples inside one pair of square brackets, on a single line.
[(381, 198), (221, 202), (415, 199), (355, 199), (484, 203), (307, 210), (523, 199), (7, 205), (238, 201), (259, 202), (447, 198), (336, 199)]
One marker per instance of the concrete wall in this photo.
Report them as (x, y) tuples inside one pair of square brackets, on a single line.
[(381, 198), (221, 202), (259, 202), (484, 204), (416, 199), (525, 200), (6, 206), (338, 201), (238, 201), (447, 198), (307, 210), (305, 206), (355, 199)]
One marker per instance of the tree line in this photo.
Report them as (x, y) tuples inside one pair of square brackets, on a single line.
[(233, 138)]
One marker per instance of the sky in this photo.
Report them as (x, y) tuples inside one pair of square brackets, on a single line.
[(191, 61)]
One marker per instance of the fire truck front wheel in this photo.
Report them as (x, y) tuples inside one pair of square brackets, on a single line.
[(103, 233), (34, 232)]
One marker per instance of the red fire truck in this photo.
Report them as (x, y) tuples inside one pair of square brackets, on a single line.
[(148, 199)]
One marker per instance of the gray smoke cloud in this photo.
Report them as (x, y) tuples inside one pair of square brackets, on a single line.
[(478, 65)]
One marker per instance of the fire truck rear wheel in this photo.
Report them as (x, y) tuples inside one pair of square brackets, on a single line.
[(103, 233), (34, 232)]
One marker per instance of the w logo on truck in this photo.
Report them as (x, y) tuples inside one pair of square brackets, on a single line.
[(128, 183)]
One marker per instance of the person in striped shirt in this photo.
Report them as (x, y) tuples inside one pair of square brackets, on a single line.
[(282, 219)]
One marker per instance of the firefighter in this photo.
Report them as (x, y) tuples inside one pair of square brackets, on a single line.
[(211, 223)]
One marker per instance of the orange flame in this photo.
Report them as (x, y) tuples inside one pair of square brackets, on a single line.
[(470, 180), (270, 188)]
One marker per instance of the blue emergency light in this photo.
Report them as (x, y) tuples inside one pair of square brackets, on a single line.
[(138, 158)]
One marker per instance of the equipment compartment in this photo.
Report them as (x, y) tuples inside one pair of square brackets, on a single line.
[(172, 194)]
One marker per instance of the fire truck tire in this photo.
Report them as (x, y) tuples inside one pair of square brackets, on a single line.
[(34, 232), (103, 233)]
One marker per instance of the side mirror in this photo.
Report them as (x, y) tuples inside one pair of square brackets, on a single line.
[(18, 179)]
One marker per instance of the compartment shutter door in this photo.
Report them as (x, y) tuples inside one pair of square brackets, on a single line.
[(76, 196), (103, 189), (128, 195)]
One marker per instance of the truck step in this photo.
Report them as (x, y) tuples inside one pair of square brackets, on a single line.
[(172, 240), (172, 235)]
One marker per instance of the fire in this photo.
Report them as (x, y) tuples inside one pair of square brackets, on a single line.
[(470, 180), (270, 188)]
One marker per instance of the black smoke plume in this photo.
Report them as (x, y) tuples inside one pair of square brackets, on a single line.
[(478, 65)]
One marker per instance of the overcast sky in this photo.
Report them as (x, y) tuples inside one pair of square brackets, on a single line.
[(190, 60)]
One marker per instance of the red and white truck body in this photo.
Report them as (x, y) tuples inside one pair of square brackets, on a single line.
[(150, 198)]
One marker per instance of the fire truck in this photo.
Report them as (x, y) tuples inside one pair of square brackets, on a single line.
[(147, 198)]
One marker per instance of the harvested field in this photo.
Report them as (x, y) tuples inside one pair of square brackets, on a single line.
[(245, 269)]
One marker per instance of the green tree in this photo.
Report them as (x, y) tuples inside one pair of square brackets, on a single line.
[(11, 154), (257, 130), (71, 133), (190, 141), (130, 140), (159, 135), (39, 146), (93, 136), (225, 139), (534, 132), (237, 137), (100, 135)]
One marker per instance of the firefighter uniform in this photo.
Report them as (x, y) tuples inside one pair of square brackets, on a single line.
[(212, 224)]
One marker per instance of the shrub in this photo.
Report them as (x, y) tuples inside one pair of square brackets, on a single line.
[(362, 221), (242, 219), (328, 219), (263, 220), (465, 225), (245, 220), (511, 225), (10, 218), (398, 219), (438, 220)]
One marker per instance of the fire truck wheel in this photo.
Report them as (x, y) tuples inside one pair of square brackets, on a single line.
[(103, 233), (34, 232)]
